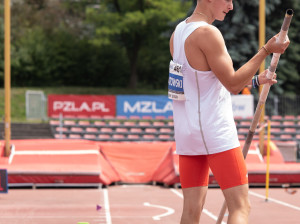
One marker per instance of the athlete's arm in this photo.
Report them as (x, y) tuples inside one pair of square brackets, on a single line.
[(171, 44), (220, 62)]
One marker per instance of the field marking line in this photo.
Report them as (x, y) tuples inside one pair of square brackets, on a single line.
[(211, 215), (57, 152), (170, 211), (106, 206), (274, 200)]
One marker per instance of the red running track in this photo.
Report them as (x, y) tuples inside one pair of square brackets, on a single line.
[(143, 204)]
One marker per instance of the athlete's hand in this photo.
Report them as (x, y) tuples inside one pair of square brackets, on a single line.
[(262, 78), (273, 46)]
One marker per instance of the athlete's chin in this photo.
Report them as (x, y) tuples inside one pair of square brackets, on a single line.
[(220, 19)]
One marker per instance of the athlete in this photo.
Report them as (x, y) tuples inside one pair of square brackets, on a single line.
[(201, 80)]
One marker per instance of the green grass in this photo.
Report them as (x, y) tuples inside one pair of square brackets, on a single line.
[(18, 111)]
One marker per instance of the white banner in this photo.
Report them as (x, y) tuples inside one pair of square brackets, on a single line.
[(242, 105)]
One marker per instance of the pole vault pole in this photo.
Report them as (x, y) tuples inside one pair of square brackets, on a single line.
[(7, 125), (263, 95)]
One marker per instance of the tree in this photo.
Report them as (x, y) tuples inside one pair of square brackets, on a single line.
[(132, 25)]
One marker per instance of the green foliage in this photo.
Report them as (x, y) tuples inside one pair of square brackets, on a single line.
[(136, 26), (118, 43)]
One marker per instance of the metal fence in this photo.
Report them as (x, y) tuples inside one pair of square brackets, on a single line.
[(281, 105)]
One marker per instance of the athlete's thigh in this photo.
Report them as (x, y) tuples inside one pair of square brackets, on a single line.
[(229, 168), (193, 170)]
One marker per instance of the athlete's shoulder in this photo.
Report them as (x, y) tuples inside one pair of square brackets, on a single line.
[(209, 31)]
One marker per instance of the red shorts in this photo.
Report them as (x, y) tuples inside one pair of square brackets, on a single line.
[(229, 169)]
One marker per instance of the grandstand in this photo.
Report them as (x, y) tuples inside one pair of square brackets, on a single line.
[(283, 128)]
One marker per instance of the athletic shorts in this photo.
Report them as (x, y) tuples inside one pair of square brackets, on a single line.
[(229, 169)]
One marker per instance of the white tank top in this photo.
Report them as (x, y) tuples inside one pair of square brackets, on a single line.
[(204, 122)]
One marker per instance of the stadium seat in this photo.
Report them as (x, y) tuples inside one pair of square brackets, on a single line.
[(135, 130), (150, 130), (276, 117), (83, 123), (133, 137), (114, 123), (129, 123), (58, 136), (91, 129), (289, 117), (74, 136), (58, 129), (99, 123), (149, 136), (106, 130), (69, 122), (54, 122), (286, 137), (89, 136), (121, 130), (147, 117), (104, 136), (159, 117), (165, 130), (171, 123), (288, 123), (245, 123), (158, 123), (76, 129), (144, 123), (134, 117), (164, 136), (275, 123), (118, 136), (293, 130)]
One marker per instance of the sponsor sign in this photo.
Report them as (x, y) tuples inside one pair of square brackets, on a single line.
[(81, 105), (3, 181), (242, 105), (144, 105)]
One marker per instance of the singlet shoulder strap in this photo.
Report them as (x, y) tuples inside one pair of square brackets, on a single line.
[(182, 32)]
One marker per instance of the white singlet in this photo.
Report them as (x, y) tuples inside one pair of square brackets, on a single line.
[(204, 122)]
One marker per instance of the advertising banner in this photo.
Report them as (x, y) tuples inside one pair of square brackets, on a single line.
[(3, 181), (144, 105), (81, 105), (242, 105)]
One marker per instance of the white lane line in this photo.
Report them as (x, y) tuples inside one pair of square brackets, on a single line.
[(274, 200), (170, 211), (106, 205), (211, 215), (57, 152)]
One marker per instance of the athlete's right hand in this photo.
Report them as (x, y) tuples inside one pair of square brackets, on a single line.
[(275, 47)]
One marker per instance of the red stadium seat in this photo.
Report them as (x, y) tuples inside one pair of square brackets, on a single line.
[(149, 136), (104, 136), (106, 130), (165, 130), (74, 136), (76, 129), (99, 123), (83, 123), (58, 129), (118, 136), (133, 137), (129, 123), (150, 130), (164, 136), (91, 129), (69, 122), (158, 123), (121, 130), (89, 136), (136, 130), (144, 123)]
